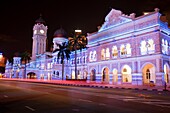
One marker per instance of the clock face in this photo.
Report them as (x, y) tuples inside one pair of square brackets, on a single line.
[(42, 31), (35, 31)]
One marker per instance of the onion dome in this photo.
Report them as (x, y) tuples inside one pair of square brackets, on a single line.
[(40, 20), (60, 33)]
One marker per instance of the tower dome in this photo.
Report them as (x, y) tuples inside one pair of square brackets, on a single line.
[(60, 36), (60, 33), (40, 20)]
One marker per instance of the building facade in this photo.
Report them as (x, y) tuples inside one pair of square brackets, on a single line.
[(125, 50)]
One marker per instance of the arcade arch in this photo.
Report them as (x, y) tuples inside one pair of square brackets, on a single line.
[(105, 74), (93, 75), (126, 74), (31, 75), (148, 73), (115, 75), (166, 73)]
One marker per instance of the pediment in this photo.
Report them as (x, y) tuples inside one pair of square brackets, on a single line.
[(114, 18)]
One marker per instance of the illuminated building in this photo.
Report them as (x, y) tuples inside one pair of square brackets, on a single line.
[(125, 50), (2, 63)]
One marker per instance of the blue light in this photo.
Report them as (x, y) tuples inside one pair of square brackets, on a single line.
[(117, 35)]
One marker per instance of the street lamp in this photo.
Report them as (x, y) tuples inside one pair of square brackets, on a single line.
[(1, 56)]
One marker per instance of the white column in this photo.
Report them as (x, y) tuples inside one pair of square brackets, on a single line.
[(34, 47), (41, 44), (44, 45)]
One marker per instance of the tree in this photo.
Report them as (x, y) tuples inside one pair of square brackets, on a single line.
[(26, 57), (63, 52), (77, 42)]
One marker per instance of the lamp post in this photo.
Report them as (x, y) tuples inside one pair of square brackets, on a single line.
[(1, 56)]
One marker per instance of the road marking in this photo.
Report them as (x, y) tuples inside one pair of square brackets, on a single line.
[(30, 108), (76, 110), (102, 104), (5, 96), (161, 104), (85, 100)]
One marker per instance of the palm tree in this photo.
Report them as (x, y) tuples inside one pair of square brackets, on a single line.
[(77, 42), (63, 52), (26, 57)]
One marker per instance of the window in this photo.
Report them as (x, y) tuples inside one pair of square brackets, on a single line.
[(148, 74), (114, 52), (107, 53), (147, 47), (128, 49), (103, 54), (57, 73), (122, 50), (92, 56), (143, 48), (164, 46), (80, 60), (77, 60), (124, 70), (151, 46), (48, 66)]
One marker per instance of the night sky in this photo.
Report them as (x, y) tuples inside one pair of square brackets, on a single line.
[(17, 18)]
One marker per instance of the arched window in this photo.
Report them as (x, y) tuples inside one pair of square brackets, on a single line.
[(126, 74), (94, 56), (107, 53), (166, 73), (103, 54), (143, 48), (148, 74), (151, 46), (122, 50), (115, 75), (114, 52), (57, 73), (166, 47), (128, 49), (163, 46), (91, 56), (124, 70), (78, 60)]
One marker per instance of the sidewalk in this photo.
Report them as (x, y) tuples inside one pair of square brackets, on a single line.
[(93, 84)]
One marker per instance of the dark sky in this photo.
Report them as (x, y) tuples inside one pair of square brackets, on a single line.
[(17, 17)]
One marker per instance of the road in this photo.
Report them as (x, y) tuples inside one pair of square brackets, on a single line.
[(26, 97)]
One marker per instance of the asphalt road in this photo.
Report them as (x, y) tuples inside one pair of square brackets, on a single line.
[(26, 97)]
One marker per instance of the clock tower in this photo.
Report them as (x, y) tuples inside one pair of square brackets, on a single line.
[(39, 37)]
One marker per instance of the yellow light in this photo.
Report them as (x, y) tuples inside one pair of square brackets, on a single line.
[(1, 55), (145, 13)]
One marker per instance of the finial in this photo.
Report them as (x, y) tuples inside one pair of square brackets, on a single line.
[(156, 9)]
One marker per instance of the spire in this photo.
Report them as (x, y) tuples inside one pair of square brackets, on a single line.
[(40, 20)]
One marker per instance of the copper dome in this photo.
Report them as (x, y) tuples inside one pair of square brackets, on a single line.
[(60, 33)]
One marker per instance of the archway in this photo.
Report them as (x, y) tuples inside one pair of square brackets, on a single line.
[(148, 73), (72, 74), (85, 74), (93, 75), (115, 76), (105, 75), (166, 73), (126, 74), (31, 75)]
